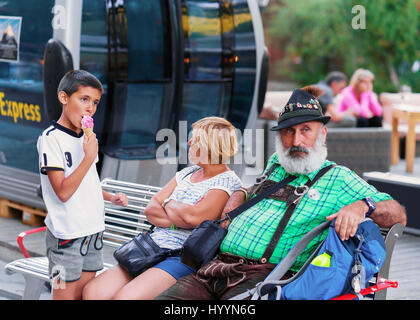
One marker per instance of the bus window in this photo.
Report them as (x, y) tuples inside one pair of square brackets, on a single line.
[(93, 40), (94, 52), (216, 63), (22, 116), (245, 64), (140, 75), (206, 60)]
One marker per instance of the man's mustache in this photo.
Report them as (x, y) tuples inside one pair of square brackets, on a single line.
[(297, 149)]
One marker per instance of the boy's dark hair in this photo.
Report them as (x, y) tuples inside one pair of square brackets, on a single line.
[(75, 78), (335, 76)]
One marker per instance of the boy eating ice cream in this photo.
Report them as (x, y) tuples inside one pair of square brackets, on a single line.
[(71, 188)]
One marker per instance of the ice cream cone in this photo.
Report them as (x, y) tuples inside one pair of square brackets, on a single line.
[(88, 132), (87, 125)]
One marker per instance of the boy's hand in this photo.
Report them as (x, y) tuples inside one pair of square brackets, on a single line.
[(90, 146), (120, 199)]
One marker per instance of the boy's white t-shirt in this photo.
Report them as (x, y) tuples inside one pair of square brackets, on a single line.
[(60, 148), (189, 193)]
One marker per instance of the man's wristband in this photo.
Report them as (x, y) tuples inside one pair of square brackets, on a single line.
[(244, 191), (371, 206)]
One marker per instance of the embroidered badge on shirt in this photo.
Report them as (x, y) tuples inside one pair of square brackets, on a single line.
[(313, 194)]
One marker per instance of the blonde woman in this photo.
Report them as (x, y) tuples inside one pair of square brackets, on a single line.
[(360, 99), (195, 194)]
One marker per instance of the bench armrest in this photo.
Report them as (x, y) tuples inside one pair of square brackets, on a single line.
[(381, 285), (22, 235)]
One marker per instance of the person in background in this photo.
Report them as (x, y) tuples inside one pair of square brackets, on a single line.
[(360, 99), (334, 82)]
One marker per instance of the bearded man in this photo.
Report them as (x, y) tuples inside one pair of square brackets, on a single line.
[(339, 194)]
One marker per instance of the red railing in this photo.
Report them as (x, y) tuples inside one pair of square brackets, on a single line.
[(22, 235)]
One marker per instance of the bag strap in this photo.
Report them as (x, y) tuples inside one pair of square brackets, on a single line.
[(273, 279), (288, 214), (248, 204), (261, 179)]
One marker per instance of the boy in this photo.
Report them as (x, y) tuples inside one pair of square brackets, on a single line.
[(71, 188)]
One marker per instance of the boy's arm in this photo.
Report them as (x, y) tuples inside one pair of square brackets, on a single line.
[(65, 187), (119, 198)]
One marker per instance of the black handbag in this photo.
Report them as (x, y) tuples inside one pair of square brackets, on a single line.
[(141, 253), (203, 243)]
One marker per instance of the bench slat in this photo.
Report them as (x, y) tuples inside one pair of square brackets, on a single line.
[(142, 193), (123, 222), (108, 182), (132, 205), (127, 214), (116, 238)]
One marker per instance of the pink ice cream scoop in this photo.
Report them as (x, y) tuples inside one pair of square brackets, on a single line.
[(87, 125)]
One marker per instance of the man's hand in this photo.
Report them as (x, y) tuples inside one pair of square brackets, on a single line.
[(235, 200), (120, 199), (348, 219), (386, 214)]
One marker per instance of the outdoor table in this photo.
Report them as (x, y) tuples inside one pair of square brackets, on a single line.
[(411, 113)]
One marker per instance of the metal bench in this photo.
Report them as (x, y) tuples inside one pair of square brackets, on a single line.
[(121, 225)]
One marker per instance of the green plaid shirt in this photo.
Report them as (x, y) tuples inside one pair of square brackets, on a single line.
[(249, 233)]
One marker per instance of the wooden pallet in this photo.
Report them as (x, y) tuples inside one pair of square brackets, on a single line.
[(30, 216)]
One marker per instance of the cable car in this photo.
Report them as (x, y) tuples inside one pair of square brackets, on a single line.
[(163, 63)]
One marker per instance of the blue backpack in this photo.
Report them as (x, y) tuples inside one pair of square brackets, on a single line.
[(337, 267)]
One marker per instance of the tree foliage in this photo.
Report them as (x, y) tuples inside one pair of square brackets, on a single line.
[(319, 36)]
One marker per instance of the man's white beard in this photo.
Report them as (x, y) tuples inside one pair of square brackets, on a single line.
[(312, 161)]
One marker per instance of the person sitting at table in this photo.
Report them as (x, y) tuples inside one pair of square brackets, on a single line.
[(360, 99)]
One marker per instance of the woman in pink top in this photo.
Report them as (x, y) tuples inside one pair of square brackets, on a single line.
[(359, 99)]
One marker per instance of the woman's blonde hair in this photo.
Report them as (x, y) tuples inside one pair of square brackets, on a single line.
[(360, 74), (217, 136)]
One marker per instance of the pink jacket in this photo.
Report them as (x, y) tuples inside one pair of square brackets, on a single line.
[(368, 102)]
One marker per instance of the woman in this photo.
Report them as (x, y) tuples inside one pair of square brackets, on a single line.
[(195, 194), (359, 98)]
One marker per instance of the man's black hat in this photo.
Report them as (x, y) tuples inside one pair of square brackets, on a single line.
[(301, 107)]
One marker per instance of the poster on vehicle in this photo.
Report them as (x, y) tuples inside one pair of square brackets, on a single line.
[(10, 38)]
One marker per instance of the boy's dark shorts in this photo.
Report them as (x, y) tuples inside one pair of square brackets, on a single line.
[(67, 258)]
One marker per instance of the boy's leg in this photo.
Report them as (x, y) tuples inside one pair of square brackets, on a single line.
[(67, 264), (62, 290)]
